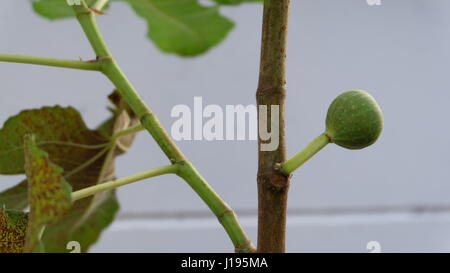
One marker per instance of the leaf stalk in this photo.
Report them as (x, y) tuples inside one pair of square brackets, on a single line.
[(295, 162), (80, 194), (71, 64)]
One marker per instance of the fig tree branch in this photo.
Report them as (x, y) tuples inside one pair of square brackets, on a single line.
[(149, 121)]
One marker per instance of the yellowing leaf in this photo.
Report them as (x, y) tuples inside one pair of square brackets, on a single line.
[(82, 153), (59, 131), (49, 195), (91, 215), (13, 226)]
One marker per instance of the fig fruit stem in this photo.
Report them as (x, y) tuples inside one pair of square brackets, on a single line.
[(72, 64), (295, 162), (226, 216), (86, 192)]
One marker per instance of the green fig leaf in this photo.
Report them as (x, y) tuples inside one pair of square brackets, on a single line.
[(182, 27), (16, 197), (49, 194), (56, 9), (13, 225)]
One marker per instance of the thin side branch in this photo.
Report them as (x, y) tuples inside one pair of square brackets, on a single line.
[(72, 64), (80, 194)]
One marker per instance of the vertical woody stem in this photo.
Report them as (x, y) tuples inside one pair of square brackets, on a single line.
[(273, 185)]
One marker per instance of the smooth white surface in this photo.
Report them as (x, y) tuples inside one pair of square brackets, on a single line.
[(395, 232)]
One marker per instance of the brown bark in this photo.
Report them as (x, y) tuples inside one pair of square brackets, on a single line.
[(273, 186)]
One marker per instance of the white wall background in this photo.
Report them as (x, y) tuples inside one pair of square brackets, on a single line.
[(396, 192)]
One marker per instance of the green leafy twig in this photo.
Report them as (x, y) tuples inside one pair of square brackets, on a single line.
[(149, 121)]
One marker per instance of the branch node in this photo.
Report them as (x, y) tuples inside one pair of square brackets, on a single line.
[(271, 89), (145, 116), (247, 248), (221, 215), (278, 92)]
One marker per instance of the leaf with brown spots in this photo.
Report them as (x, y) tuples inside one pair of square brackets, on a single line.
[(49, 195), (13, 226), (102, 207), (82, 153), (15, 198), (59, 131)]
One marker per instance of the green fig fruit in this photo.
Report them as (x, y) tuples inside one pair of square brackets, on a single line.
[(354, 120)]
